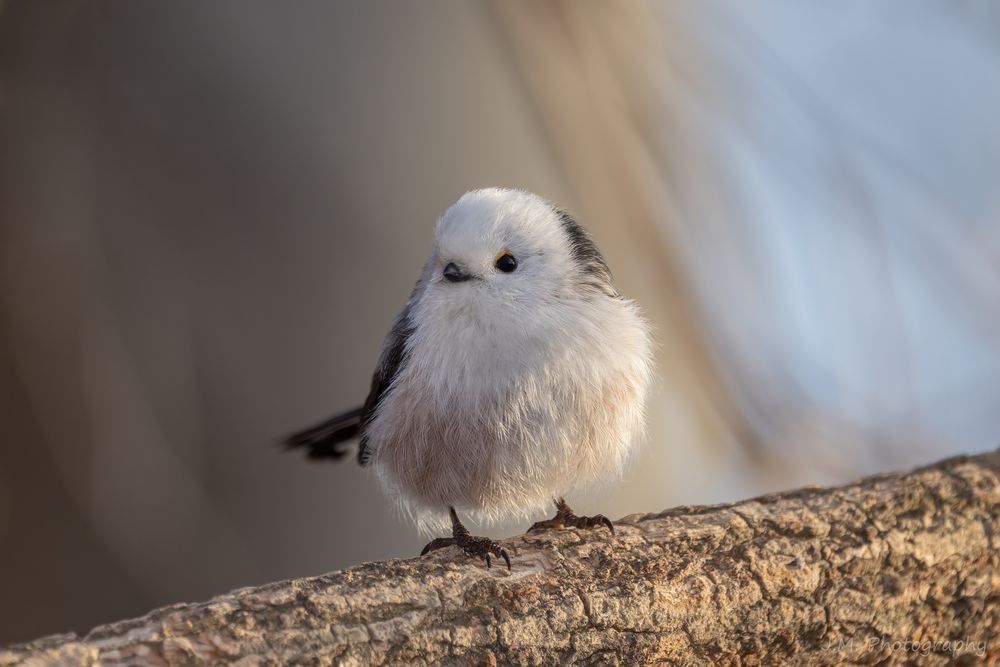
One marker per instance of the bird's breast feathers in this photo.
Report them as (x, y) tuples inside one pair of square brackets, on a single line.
[(496, 410)]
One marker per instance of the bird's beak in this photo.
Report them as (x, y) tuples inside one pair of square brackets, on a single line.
[(454, 274)]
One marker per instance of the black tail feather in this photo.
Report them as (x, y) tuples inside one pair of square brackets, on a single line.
[(324, 440)]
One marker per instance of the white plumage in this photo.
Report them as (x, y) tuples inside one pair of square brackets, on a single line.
[(508, 389)]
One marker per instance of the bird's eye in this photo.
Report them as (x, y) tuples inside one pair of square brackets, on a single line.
[(505, 262)]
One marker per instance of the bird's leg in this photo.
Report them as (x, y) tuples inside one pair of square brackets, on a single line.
[(565, 518), (474, 546)]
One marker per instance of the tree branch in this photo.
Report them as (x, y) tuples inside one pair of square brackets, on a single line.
[(824, 576)]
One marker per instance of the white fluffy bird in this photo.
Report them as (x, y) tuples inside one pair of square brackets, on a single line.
[(514, 373)]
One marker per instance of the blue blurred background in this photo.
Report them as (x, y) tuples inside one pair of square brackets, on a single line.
[(210, 213)]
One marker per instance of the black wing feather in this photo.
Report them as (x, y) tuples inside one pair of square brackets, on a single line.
[(325, 440), (393, 358), (588, 258)]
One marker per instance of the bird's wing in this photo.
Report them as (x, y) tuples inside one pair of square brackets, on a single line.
[(323, 440), (391, 361)]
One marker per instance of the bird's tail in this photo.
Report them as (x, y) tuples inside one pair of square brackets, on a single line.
[(323, 441)]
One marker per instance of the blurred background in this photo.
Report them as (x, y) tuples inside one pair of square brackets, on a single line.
[(211, 212)]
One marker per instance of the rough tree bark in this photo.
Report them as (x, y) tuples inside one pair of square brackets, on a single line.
[(818, 576)]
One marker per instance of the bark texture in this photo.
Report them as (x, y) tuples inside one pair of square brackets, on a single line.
[(817, 576)]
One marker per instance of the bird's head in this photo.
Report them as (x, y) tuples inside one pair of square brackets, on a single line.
[(513, 245)]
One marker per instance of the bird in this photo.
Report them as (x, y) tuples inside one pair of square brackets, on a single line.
[(514, 373)]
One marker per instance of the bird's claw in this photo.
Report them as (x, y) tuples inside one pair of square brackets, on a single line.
[(473, 546), (600, 519), (439, 543), (566, 519), (483, 547)]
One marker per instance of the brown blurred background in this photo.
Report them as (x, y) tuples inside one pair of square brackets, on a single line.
[(210, 213)]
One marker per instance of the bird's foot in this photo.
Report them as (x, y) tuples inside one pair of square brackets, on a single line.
[(470, 544), (565, 518)]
